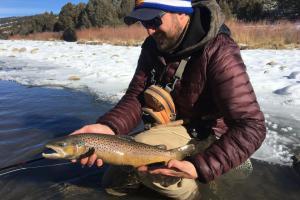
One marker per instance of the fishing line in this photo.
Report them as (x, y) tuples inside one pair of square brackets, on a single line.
[(21, 163), (35, 167)]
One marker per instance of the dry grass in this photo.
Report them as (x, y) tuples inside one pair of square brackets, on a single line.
[(277, 35), (122, 35), (49, 36)]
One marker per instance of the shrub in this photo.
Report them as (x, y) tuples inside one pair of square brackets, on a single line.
[(69, 35)]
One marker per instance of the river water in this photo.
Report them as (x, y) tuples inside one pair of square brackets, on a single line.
[(31, 116)]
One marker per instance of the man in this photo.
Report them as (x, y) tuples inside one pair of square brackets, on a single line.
[(213, 93)]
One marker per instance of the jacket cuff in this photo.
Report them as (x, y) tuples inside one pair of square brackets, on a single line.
[(203, 171), (110, 124)]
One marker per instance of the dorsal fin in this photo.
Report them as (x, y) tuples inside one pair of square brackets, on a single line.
[(126, 138), (161, 146), (183, 151)]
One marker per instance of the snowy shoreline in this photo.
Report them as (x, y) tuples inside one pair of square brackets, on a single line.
[(105, 71)]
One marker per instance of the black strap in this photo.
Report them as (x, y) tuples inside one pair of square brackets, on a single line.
[(225, 30)]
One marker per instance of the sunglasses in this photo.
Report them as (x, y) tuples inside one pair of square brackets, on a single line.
[(154, 23)]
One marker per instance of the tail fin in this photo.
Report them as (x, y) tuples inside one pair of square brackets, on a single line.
[(184, 151)]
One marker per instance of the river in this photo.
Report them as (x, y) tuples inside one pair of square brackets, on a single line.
[(31, 116)]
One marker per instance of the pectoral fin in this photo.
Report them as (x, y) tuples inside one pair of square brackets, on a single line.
[(87, 154)]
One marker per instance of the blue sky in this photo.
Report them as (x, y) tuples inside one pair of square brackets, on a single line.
[(9, 8)]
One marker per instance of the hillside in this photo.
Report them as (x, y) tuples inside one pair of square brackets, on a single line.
[(7, 24), (27, 25), (100, 13)]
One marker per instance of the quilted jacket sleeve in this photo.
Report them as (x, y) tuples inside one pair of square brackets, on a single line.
[(234, 96), (126, 115)]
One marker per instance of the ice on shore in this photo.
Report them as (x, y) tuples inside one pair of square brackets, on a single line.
[(106, 70)]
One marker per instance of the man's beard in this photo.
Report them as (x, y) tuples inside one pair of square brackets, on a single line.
[(167, 41)]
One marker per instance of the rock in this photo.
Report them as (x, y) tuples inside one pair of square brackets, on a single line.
[(74, 78), (272, 63), (296, 163)]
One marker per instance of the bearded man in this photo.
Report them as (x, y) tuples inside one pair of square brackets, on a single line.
[(190, 54)]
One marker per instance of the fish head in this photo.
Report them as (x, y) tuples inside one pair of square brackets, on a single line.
[(69, 147)]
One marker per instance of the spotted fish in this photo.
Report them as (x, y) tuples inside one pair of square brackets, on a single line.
[(112, 149)]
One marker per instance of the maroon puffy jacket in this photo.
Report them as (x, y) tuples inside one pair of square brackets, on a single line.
[(214, 85)]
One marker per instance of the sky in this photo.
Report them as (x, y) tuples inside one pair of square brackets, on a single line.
[(10, 8)]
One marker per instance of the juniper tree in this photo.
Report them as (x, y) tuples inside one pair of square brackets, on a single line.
[(66, 17), (101, 12)]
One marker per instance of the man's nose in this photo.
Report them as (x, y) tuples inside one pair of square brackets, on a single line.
[(151, 31)]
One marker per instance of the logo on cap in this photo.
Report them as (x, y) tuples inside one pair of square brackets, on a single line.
[(138, 2)]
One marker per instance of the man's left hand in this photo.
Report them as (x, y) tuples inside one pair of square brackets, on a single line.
[(183, 169)]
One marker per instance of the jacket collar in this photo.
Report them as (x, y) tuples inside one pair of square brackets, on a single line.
[(204, 25)]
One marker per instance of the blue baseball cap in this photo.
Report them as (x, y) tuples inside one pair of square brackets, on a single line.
[(146, 10)]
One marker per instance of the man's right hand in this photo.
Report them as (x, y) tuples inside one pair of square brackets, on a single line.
[(93, 128)]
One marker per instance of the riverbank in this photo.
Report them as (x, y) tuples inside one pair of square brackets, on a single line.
[(268, 35)]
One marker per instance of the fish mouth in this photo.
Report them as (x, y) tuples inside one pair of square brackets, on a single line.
[(58, 152)]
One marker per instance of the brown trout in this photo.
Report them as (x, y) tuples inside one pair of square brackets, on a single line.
[(112, 149)]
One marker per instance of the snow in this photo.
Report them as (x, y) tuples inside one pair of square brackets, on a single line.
[(106, 70)]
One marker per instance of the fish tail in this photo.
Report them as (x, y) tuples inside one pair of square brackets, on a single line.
[(184, 151)]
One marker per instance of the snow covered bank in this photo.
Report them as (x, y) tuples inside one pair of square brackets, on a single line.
[(106, 70)]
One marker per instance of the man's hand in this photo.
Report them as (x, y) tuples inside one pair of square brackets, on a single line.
[(93, 128), (183, 169)]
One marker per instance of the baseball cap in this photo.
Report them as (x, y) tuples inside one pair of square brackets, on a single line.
[(146, 10)]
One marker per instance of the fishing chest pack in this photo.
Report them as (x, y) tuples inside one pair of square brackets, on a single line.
[(159, 105), (160, 108)]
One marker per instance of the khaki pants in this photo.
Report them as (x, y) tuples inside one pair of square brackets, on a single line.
[(172, 137), (176, 188)]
